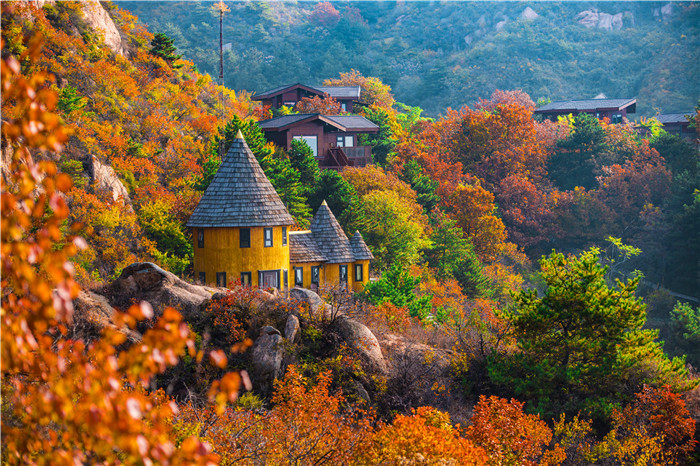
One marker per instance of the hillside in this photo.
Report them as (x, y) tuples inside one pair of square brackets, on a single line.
[(437, 55), (513, 313)]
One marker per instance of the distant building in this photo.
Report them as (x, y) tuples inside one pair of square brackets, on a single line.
[(291, 94), (614, 109), (333, 139), (241, 230), (677, 124)]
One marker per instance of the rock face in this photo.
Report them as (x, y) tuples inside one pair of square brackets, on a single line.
[(596, 19), (106, 181), (144, 281), (363, 341), (529, 14), (96, 16), (266, 359), (291, 328)]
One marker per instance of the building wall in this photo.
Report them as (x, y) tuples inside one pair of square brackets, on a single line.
[(332, 274), (306, 267), (358, 286), (221, 253)]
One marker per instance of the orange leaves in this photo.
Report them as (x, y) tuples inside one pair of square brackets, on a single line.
[(509, 435), (425, 437), (323, 105)]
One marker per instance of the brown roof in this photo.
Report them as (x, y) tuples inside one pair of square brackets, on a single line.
[(303, 248), (330, 238), (280, 90), (589, 105), (348, 123), (240, 195), (359, 248)]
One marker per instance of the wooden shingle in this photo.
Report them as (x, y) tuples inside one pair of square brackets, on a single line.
[(303, 248), (240, 195), (359, 248), (330, 238)]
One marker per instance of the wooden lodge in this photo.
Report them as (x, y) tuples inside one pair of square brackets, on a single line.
[(333, 139), (290, 95), (678, 124), (241, 231), (613, 109)]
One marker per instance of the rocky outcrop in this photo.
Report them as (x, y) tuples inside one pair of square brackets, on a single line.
[(106, 182), (363, 342), (92, 314), (266, 359), (144, 281), (96, 16), (596, 19), (291, 328), (317, 306), (529, 14)]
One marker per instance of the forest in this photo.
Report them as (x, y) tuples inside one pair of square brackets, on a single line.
[(436, 55), (535, 283)]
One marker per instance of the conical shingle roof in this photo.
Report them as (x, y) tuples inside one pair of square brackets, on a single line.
[(359, 248), (240, 195), (303, 248), (329, 237)]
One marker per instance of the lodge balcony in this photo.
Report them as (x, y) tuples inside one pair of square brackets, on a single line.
[(337, 158)]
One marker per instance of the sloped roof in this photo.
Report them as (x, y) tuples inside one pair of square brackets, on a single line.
[(359, 248), (279, 90), (587, 104), (341, 92), (240, 195), (353, 123), (342, 122), (329, 237), (303, 248), (671, 118)]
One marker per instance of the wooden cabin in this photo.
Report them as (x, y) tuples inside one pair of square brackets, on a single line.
[(613, 109), (290, 95), (678, 124), (241, 230), (333, 139)]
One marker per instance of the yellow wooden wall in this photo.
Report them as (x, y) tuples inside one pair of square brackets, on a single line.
[(332, 274), (221, 253), (358, 286), (306, 267)]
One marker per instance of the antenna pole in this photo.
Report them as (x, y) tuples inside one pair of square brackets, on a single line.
[(221, 8)]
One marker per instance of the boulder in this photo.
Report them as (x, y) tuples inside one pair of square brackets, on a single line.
[(266, 359), (145, 281), (588, 18), (98, 18), (362, 340), (314, 301), (92, 314), (291, 328)]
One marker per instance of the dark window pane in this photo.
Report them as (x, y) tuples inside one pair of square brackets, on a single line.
[(245, 237), (284, 236), (268, 237), (202, 277), (200, 238)]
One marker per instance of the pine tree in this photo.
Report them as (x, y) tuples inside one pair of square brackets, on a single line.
[(162, 46)]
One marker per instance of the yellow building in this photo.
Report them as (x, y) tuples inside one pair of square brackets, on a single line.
[(241, 230), (240, 226)]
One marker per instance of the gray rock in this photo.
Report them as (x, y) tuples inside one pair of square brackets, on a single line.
[(92, 314), (266, 359), (145, 281), (97, 17), (667, 11), (529, 14), (106, 181), (291, 328), (363, 341), (316, 304)]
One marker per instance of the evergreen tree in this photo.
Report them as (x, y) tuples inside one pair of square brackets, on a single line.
[(302, 159), (383, 142), (398, 287), (422, 184), (582, 344), (575, 162), (162, 46)]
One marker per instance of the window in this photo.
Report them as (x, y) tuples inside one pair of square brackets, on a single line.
[(284, 236), (268, 237), (269, 278), (349, 141), (221, 279), (616, 118), (311, 141), (246, 278), (285, 282), (315, 275), (200, 238), (298, 276), (344, 107), (343, 273), (358, 272), (340, 141), (244, 237), (203, 277)]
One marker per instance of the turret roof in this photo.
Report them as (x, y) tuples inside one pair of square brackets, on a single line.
[(240, 195), (329, 237), (359, 248)]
